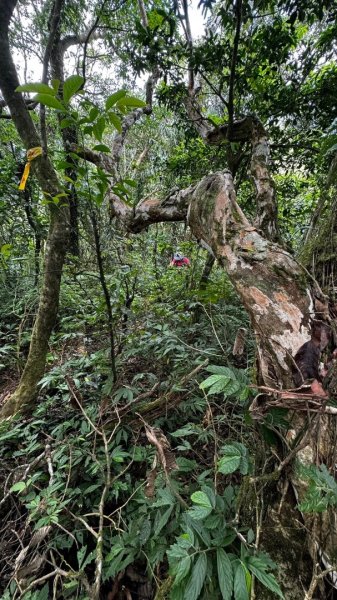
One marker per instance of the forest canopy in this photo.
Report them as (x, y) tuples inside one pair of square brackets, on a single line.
[(168, 299)]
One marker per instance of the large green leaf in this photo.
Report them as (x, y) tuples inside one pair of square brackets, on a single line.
[(235, 457), (163, 520), (225, 573), (182, 568), (40, 88), (196, 581), (115, 121), (240, 587), (230, 462), (111, 100), (201, 499), (131, 101), (50, 101), (203, 506), (71, 86), (214, 380)]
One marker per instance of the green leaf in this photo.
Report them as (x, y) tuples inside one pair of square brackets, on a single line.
[(115, 551), (211, 380), (115, 121), (229, 463), (101, 148), (49, 101), (225, 573), (67, 122), (55, 84), (196, 581), (71, 86), (111, 100), (18, 487), (235, 457), (219, 386), (201, 499), (175, 553), (98, 128), (131, 101), (40, 88), (43, 594), (94, 112), (163, 520), (255, 565), (218, 370), (240, 587), (199, 512), (182, 569)]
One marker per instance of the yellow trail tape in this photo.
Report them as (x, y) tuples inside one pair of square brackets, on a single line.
[(31, 154)]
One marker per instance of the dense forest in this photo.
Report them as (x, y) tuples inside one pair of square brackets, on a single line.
[(168, 302)]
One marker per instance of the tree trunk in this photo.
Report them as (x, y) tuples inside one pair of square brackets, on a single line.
[(273, 288), (57, 238)]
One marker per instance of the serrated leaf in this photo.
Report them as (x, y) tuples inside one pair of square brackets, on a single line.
[(267, 579), (71, 86), (211, 380), (115, 550), (196, 581), (186, 464), (199, 512), (225, 573), (131, 101), (235, 457), (175, 553), (240, 587), (201, 499), (163, 520), (40, 88), (49, 101), (101, 148), (229, 463), (182, 569), (115, 121), (218, 370), (113, 98), (232, 387), (220, 386)]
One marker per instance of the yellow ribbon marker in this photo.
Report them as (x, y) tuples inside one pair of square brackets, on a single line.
[(31, 154)]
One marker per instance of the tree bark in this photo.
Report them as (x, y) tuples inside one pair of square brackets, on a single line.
[(58, 229)]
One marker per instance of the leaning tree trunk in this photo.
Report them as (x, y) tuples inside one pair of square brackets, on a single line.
[(57, 239), (274, 290)]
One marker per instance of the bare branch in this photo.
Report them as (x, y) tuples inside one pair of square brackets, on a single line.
[(238, 8)]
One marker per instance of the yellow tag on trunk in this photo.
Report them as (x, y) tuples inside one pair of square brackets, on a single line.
[(31, 154)]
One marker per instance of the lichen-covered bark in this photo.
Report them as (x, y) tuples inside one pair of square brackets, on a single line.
[(267, 278), (151, 210), (58, 230), (271, 284)]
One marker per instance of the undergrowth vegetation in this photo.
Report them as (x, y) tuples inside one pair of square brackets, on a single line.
[(91, 483)]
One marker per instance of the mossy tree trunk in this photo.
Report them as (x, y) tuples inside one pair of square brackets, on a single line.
[(57, 238)]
